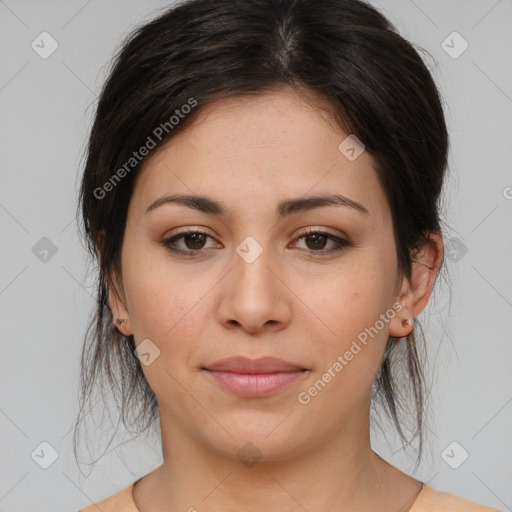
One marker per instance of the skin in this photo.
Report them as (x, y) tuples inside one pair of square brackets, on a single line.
[(250, 154)]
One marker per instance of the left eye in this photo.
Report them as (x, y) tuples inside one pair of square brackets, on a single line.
[(195, 240), (317, 240)]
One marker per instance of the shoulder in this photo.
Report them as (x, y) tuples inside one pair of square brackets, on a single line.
[(121, 501), (432, 500), (428, 500)]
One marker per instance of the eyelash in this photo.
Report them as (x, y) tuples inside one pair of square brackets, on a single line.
[(342, 243)]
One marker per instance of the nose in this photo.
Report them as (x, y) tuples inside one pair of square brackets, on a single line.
[(254, 296)]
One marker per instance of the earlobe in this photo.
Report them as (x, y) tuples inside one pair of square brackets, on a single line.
[(120, 315), (402, 324)]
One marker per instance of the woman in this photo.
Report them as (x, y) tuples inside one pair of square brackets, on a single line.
[(261, 192)]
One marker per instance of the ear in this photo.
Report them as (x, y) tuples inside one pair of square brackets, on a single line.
[(416, 290), (119, 310)]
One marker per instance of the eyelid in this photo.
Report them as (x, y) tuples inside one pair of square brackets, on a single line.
[(180, 230), (320, 230)]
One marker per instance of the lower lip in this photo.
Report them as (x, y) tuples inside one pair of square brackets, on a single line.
[(253, 385)]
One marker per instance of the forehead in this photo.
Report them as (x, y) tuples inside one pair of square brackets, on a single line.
[(274, 145), (275, 117)]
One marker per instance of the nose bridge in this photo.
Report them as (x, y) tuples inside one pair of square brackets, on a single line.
[(252, 261)]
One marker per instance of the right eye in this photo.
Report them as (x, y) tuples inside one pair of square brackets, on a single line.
[(193, 240)]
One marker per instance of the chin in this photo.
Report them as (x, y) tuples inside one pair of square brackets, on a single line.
[(254, 438)]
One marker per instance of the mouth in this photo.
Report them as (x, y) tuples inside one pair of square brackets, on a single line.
[(255, 378)]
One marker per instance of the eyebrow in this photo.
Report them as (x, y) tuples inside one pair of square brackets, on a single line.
[(284, 208)]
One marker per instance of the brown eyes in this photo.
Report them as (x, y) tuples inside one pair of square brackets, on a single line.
[(192, 243)]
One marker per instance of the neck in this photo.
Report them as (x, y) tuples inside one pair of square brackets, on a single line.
[(340, 473)]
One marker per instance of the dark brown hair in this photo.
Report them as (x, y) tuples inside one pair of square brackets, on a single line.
[(343, 51)]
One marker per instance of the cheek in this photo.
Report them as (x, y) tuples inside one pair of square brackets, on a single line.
[(355, 307), (352, 299), (356, 310), (164, 307), (161, 298)]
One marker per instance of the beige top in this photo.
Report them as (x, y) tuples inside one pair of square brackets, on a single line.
[(428, 500)]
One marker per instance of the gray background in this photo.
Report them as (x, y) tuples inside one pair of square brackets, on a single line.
[(46, 108)]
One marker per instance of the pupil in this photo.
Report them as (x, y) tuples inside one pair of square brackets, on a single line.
[(317, 239), (196, 238)]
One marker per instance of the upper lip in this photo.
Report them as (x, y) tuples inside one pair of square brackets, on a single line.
[(260, 365)]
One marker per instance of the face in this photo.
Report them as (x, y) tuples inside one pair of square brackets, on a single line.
[(312, 284)]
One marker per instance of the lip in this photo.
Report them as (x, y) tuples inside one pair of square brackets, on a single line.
[(242, 364), (255, 378)]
